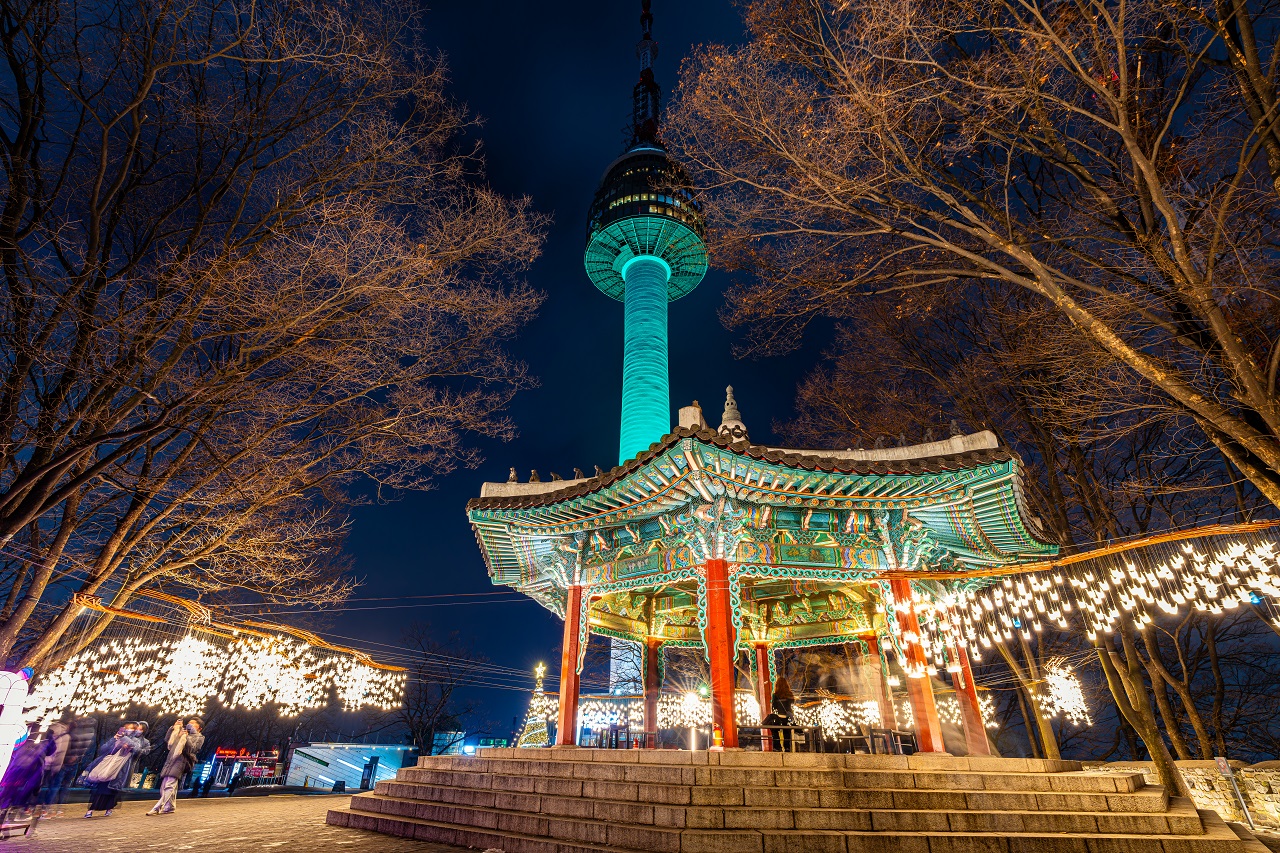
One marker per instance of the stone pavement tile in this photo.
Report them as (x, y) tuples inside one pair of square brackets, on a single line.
[(278, 824)]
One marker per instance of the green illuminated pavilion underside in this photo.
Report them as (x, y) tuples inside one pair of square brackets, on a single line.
[(810, 534)]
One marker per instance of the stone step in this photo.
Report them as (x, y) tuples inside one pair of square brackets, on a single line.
[(454, 773), (624, 839), (749, 759), (443, 833), (855, 792), (658, 801), (1250, 844), (919, 761), (435, 805)]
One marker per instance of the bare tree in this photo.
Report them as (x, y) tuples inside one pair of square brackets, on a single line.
[(432, 706), (1115, 160), (248, 264)]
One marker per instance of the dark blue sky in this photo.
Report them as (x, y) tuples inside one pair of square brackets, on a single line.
[(552, 82)]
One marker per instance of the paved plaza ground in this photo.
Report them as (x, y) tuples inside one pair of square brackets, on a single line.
[(286, 823)]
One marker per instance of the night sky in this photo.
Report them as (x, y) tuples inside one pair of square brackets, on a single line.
[(552, 82)]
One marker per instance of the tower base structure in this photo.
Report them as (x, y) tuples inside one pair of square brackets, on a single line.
[(571, 800)]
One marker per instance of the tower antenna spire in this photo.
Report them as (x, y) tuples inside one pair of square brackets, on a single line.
[(646, 96)]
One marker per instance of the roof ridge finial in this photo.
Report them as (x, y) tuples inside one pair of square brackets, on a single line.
[(731, 412), (646, 95), (731, 419)]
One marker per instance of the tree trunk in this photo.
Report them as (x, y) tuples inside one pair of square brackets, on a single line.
[(1219, 684), (1028, 679), (1129, 693), (1161, 681), (1182, 686), (40, 580), (1026, 722)]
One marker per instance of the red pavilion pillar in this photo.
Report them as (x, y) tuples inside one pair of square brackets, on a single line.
[(764, 691), (567, 718), (975, 734), (721, 644), (652, 691), (884, 695), (919, 689)]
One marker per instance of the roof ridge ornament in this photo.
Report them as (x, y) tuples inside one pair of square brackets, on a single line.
[(731, 420)]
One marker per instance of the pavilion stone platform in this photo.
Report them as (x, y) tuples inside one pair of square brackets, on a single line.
[(572, 800)]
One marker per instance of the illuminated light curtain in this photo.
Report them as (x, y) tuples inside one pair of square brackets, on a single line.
[(646, 395)]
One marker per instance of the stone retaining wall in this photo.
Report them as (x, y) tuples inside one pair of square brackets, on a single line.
[(1259, 784)]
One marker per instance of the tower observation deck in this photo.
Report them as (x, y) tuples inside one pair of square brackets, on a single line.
[(645, 248)]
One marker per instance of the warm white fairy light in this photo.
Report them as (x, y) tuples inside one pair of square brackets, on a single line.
[(683, 711), (358, 685), (1066, 696), (272, 669), (603, 712), (675, 710), (1209, 577), (949, 710), (836, 716), (987, 706), (183, 674), (191, 675), (746, 709)]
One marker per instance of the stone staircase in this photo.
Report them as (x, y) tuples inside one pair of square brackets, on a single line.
[(570, 800)]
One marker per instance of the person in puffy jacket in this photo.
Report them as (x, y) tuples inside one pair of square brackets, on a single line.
[(184, 744), (131, 743)]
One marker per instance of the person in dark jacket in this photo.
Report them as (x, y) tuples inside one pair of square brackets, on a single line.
[(131, 743), (55, 762), (184, 744), (783, 699)]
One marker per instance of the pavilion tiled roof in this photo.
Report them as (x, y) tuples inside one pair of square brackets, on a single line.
[(815, 460)]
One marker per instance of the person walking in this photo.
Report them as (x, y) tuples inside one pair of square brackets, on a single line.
[(83, 732), (55, 769), (110, 773), (184, 744)]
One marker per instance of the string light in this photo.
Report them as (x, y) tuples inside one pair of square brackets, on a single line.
[(182, 674), (837, 717), (1211, 578), (1066, 696)]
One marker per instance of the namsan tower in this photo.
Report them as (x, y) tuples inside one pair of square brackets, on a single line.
[(645, 248)]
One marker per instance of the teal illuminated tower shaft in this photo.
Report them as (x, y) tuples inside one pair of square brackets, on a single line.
[(646, 395), (645, 248)]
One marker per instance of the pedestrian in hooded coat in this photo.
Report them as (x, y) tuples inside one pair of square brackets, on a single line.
[(55, 767), (184, 744), (130, 742)]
